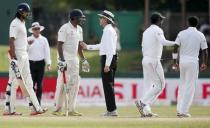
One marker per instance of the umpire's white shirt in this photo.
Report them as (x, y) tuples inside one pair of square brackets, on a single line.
[(39, 49), (191, 41), (71, 36), (18, 31), (153, 41), (107, 45)]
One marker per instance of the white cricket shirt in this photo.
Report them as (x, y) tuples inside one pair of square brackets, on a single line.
[(190, 41), (153, 41), (107, 45), (18, 31), (39, 49), (71, 36)]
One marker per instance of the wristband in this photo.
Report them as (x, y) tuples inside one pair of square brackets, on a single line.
[(174, 55)]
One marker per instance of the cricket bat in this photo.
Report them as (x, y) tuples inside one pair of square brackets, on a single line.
[(66, 94), (18, 76)]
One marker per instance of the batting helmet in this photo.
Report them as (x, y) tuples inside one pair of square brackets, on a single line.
[(23, 7), (156, 16), (76, 13)]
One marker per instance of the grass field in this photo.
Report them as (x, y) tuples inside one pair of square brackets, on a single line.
[(128, 118), (126, 59)]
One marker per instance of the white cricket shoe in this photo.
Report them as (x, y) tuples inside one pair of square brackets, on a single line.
[(140, 106), (151, 114), (183, 115), (145, 110), (110, 114)]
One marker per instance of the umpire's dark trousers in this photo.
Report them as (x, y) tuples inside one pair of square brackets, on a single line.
[(37, 72), (108, 82)]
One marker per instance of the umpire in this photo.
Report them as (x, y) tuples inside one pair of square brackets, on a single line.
[(107, 52), (39, 56)]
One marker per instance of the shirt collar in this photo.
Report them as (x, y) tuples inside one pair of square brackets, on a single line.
[(154, 25), (108, 25), (71, 25), (19, 20), (37, 37), (192, 28)]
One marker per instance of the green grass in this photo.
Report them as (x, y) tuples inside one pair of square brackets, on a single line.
[(129, 118), (129, 62)]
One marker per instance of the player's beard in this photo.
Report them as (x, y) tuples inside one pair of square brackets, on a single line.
[(27, 17)]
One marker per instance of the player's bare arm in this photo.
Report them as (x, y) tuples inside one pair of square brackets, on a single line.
[(83, 45), (60, 50), (12, 47), (80, 51), (204, 60)]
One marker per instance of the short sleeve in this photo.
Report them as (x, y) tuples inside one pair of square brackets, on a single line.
[(13, 30), (80, 34), (203, 42), (159, 34), (62, 34), (178, 41)]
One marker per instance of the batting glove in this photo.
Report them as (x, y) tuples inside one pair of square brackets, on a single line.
[(62, 66), (15, 68), (13, 63), (85, 66)]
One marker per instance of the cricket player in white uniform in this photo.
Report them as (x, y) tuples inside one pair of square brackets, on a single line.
[(154, 81), (189, 42), (19, 63), (69, 37)]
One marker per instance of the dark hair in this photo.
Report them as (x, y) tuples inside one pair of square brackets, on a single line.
[(156, 17), (18, 15), (108, 21), (193, 21), (154, 21)]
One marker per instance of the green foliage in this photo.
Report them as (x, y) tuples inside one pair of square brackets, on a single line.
[(129, 62), (4, 64)]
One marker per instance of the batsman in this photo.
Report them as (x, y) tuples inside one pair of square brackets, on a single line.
[(70, 35), (19, 63)]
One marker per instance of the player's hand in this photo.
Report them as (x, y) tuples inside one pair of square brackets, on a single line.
[(85, 66), (30, 42), (203, 67), (48, 67), (175, 67), (62, 66), (106, 69), (13, 63), (84, 45)]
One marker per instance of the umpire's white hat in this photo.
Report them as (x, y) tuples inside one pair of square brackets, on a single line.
[(35, 25), (108, 15)]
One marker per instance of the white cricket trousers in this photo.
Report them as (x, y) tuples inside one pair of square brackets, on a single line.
[(23, 65), (73, 82), (153, 81), (188, 76)]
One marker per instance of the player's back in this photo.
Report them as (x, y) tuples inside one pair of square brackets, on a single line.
[(150, 45), (190, 43)]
